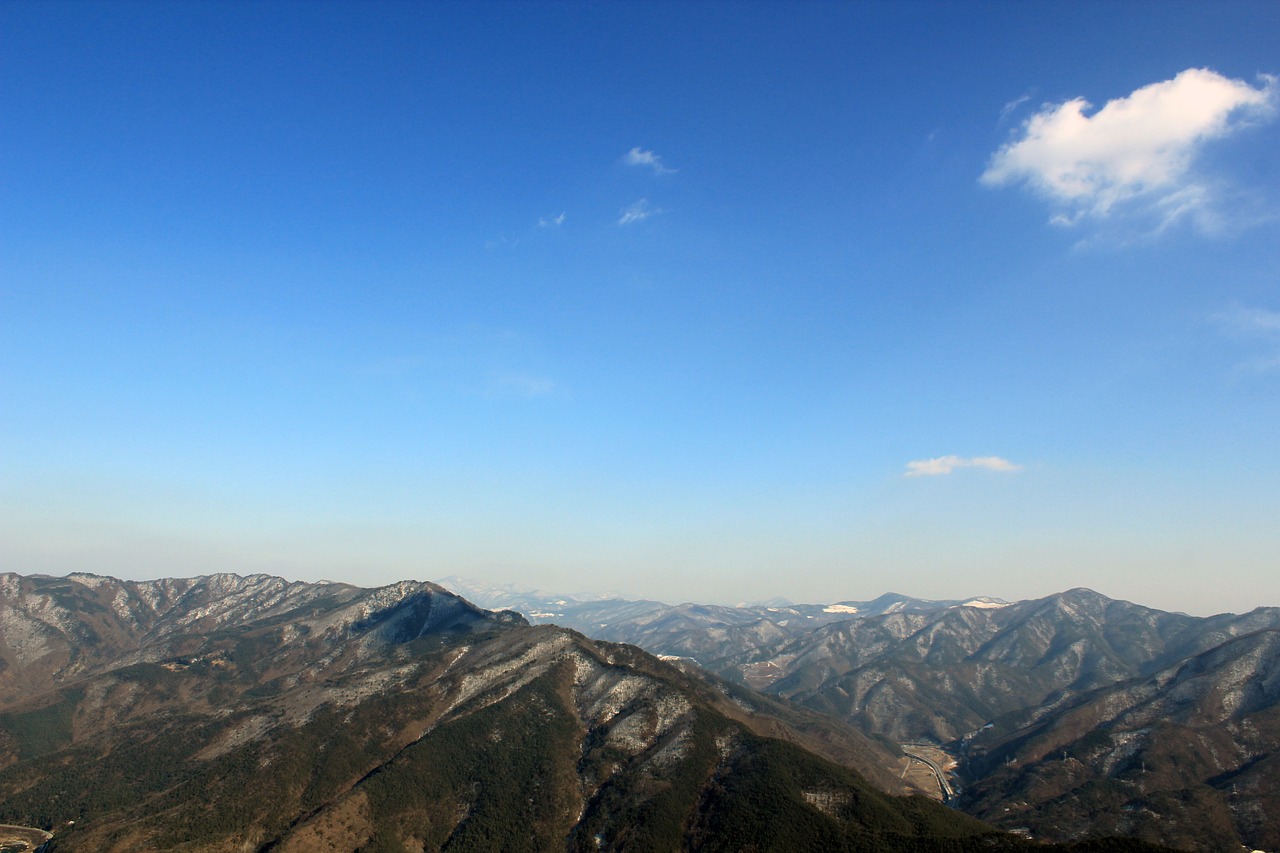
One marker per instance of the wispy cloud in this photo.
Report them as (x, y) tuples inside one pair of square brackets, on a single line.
[(1251, 321), (1136, 154), (636, 157), (1009, 108), (946, 464), (551, 221), (637, 212), (1257, 326), (523, 385)]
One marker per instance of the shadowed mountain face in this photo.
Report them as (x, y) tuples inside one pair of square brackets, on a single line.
[(943, 674), (1189, 755), (1071, 715), (229, 714)]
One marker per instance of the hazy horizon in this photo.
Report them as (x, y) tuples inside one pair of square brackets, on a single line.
[(696, 302), (588, 594)]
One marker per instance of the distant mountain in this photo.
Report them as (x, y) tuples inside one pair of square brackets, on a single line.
[(703, 633), (523, 600), (227, 714)]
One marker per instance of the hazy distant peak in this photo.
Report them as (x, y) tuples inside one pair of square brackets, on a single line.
[(841, 608), (776, 601)]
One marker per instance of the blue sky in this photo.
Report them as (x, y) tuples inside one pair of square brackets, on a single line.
[(712, 301)]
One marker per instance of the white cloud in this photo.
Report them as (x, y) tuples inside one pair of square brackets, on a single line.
[(1136, 153), (551, 221), (637, 212), (947, 464), (636, 157)]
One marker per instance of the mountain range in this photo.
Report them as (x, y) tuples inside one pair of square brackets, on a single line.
[(237, 713), (1066, 716), (702, 633), (229, 713)]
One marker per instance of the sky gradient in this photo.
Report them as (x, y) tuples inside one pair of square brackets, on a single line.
[(714, 301)]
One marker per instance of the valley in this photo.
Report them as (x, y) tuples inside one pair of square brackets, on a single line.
[(931, 769)]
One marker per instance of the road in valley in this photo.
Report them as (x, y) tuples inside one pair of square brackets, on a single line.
[(915, 752)]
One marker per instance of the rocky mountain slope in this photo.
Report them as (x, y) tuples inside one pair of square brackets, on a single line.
[(53, 630), (942, 674), (227, 713), (1069, 715), (1189, 755)]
